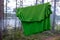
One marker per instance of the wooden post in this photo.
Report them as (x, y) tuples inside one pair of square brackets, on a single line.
[(1, 16)]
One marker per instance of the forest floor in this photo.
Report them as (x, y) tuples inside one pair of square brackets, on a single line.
[(46, 36), (18, 35), (55, 37)]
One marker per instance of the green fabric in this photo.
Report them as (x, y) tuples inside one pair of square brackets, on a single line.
[(33, 13), (47, 25), (32, 27), (35, 19)]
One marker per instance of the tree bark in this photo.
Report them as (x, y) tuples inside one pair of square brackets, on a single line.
[(1, 16)]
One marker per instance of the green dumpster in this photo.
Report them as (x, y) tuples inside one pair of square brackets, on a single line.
[(35, 19)]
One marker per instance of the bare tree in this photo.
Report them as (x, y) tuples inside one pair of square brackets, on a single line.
[(1, 16)]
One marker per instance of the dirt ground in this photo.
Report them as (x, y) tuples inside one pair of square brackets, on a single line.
[(53, 38), (56, 37), (45, 36), (18, 35)]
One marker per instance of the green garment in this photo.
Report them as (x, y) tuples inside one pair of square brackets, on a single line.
[(35, 19), (32, 27), (33, 13), (47, 25)]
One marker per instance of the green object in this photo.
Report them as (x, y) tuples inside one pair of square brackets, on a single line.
[(47, 25), (32, 27), (35, 19)]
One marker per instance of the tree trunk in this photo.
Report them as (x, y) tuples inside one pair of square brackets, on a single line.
[(1, 16)]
